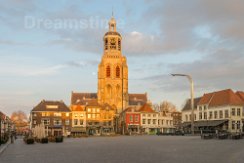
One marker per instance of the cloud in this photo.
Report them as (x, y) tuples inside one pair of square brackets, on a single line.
[(11, 43), (221, 69)]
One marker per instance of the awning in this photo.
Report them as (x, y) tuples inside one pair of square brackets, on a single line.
[(186, 124), (209, 123), (78, 129)]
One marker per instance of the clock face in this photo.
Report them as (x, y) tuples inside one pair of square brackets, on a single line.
[(112, 43)]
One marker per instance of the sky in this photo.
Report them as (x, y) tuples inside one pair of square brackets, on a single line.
[(50, 48)]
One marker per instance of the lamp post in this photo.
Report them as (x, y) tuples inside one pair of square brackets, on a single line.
[(0, 128), (192, 99)]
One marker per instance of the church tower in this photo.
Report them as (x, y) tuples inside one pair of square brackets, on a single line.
[(113, 71)]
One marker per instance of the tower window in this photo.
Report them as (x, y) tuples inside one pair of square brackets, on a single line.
[(108, 73), (106, 44), (119, 44), (117, 72)]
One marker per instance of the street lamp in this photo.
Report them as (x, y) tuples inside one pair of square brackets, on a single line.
[(192, 99)]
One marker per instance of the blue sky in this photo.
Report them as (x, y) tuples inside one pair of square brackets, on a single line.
[(43, 59)]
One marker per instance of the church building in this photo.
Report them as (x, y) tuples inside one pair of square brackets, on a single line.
[(112, 89)]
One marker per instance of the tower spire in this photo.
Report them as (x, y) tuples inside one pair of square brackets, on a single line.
[(112, 11)]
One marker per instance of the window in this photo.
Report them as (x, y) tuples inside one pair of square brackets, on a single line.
[(94, 110), (98, 110), (143, 121), (154, 121), (149, 121), (162, 122), (220, 114), (34, 114), (238, 112), (57, 122), (226, 113), (93, 116), (136, 118), (66, 122), (119, 44), (238, 125), (88, 116), (233, 111), (233, 125), (186, 117), (210, 115), (205, 115), (81, 115), (149, 115), (117, 72), (56, 114), (89, 110), (108, 73), (167, 122), (143, 115), (45, 121), (67, 114), (200, 115), (215, 114), (200, 108), (106, 44), (34, 122), (131, 118), (154, 115), (45, 114), (205, 107), (75, 122), (81, 122)]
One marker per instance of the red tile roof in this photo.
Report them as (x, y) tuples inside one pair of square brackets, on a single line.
[(55, 106), (137, 99), (224, 97), (146, 108), (187, 105), (82, 98), (241, 95)]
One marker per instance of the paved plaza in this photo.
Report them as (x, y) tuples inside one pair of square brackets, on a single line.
[(127, 149)]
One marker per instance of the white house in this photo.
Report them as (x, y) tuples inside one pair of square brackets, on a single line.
[(221, 110)]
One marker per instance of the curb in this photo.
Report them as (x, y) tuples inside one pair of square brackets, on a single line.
[(3, 147)]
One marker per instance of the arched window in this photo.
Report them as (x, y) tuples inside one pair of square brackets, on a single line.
[(119, 44), (108, 72), (117, 72), (106, 44)]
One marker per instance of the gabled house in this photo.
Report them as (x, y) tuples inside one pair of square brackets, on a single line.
[(149, 119), (221, 110), (55, 115), (130, 121)]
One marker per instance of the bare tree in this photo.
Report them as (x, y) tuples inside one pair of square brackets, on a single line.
[(19, 117), (167, 106)]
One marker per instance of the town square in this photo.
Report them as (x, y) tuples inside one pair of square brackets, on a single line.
[(121, 81), (123, 149)]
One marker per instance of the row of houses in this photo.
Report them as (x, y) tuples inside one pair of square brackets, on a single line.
[(6, 127), (85, 116), (217, 111)]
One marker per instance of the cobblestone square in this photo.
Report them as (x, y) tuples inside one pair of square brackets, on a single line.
[(127, 149)]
